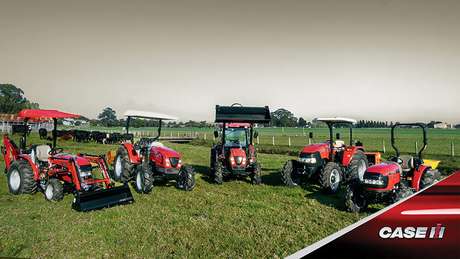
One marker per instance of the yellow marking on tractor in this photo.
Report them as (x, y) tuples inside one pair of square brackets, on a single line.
[(432, 163)]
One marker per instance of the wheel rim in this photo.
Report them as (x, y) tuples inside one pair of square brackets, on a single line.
[(139, 181), (15, 180), (49, 192), (334, 179), (118, 167), (361, 169)]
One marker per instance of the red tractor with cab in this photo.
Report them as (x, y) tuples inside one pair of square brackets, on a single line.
[(235, 154), (395, 179), (148, 160), (331, 162), (48, 169)]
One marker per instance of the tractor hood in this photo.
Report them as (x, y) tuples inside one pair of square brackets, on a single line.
[(384, 168), (81, 161), (165, 151), (313, 148), (237, 152)]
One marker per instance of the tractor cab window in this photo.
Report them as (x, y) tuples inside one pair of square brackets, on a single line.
[(236, 137)]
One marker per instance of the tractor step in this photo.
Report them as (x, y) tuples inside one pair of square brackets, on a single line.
[(86, 201)]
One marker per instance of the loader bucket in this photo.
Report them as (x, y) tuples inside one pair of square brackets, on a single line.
[(86, 201), (242, 114)]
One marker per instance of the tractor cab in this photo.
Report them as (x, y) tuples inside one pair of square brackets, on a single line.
[(235, 154)]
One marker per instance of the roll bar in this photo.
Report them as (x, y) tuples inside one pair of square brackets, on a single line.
[(418, 124)]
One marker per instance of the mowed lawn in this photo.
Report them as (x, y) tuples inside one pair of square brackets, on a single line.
[(235, 219)]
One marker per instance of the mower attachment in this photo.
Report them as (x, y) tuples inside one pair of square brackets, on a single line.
[(86, 201), (242, 114)]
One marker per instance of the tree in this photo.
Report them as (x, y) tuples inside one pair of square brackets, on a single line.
[(302, 122), (108, 117), (283, 118), (12, 99)]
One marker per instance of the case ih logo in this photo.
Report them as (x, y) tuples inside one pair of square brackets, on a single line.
[(436, 232)]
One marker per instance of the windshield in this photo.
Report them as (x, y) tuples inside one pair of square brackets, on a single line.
[(236, 137)]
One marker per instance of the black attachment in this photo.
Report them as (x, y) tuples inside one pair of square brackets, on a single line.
[(93, 200), (242, 114)]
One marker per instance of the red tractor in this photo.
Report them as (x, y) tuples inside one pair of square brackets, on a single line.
[(235, 154), (47, 169), (148, 160), (331, 162), (395, 179)]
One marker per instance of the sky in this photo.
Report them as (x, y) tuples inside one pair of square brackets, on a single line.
[(394, 60)]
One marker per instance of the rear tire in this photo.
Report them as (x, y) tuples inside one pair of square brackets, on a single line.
[(54, 190), (330, 177), (21, 178), (428, 178), (357, 166), (287, 176), (256, 176), (143, 182), (355, 200), (123, 168), (186, 178)]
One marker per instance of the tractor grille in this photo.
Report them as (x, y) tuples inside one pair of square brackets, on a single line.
[(174, 161)]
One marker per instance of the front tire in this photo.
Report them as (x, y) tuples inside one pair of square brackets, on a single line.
[(330, 177), (256, 176), (186, 178), (402, 193), (287, 176), (143, 182), (54, 190), (355, 199), (123, 168), (21, 178), (358, 166)]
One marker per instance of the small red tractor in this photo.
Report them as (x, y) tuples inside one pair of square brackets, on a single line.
[(331, 162), (235, 154), (47, 169), (395, 179), (148, 160)]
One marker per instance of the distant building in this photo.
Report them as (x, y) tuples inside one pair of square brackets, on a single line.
[(7, 120), (442, 125)]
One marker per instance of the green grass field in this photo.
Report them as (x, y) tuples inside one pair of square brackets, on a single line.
[(236, 219)]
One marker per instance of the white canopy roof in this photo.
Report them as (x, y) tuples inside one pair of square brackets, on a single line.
[(336, 120), (149, 115)]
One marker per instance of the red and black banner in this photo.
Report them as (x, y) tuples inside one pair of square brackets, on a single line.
[(426, 225)]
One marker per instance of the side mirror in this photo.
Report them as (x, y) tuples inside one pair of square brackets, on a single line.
[(337, 135), (216, 134), (310, 135), (256, 134)]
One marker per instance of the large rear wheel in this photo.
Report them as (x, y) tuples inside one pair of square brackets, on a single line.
[(123, 168), (21, 178), (218, 172), (330, 177), (358, 166), (429, 177)]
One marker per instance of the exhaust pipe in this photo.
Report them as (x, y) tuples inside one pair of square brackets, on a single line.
[(87, 201)]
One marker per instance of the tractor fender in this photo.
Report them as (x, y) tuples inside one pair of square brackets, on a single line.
[(418, 176), (32, 165), (348, 154), (133, 155)]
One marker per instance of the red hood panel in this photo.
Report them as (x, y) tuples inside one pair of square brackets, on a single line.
[(384, 168), (80, 160), (166, 151), (321, 148), (237, 152)]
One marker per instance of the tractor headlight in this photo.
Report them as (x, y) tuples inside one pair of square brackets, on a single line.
[(374, 181), (308, 160)]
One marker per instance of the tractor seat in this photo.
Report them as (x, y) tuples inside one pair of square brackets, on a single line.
[(42, 152), (407, 163), (156, 144), (339, 143)]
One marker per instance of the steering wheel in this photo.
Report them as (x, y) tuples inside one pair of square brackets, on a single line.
[(56, 150)]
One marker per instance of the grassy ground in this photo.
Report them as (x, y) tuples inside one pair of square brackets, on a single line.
[(236, 219)]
